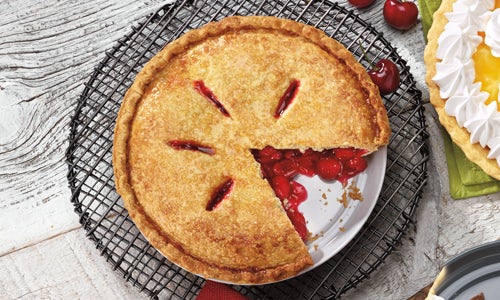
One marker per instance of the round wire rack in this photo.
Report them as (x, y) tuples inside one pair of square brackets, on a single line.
[(101, 210)]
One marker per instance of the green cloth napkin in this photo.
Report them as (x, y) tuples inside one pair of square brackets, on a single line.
[(427, 9), (466, 178)]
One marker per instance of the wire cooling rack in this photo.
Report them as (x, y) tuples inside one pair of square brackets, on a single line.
[(101, 210)]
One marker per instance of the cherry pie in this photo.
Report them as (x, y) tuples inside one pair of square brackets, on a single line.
[(208, 110)]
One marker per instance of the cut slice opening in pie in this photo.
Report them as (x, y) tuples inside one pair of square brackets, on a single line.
[(215, 127)]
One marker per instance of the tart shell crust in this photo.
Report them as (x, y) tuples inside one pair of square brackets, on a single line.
[(459, 135)]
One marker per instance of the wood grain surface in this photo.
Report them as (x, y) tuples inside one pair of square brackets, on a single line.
[(48, 49)]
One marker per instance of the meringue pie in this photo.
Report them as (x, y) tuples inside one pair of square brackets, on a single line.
[(462, 59)]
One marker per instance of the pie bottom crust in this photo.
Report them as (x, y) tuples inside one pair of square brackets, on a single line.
[(459, 135)]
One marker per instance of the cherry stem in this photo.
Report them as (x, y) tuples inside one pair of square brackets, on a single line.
[(365, 56)]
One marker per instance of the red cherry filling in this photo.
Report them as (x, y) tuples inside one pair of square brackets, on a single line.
[(298, 195), (299, 223), (268, 154), (281, 166), (328, 168), (286, 167), (282, 186)]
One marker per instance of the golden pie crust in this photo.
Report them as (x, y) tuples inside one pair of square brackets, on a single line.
[(247, 62), (460, 136)]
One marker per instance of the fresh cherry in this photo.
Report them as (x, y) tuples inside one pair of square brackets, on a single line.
[(385, 75), (400, 14), (361, 3)]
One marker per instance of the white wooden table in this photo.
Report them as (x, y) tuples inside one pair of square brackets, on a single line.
[(48, 49)]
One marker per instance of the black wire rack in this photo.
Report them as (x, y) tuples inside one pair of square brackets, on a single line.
[(101, 210)]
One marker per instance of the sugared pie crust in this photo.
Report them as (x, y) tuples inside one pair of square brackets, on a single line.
[(186, 126), (460, 135)]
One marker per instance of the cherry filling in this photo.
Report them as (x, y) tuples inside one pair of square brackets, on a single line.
[(287, 98), (191, 145), (200, 86), (219, 194), (281, 166)]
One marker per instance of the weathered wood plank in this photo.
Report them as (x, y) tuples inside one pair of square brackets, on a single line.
[(48, 49), (64, 267)]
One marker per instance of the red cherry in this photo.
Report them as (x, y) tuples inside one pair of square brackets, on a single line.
[(307, 165), (286, 167), (292, 153), (400, 14), (385, 75), (281, 186), (361, 3), (299, 222), (345, 153), (299, 194), (344, 179), (327, 153), (267, 170), (328, 168), (308, 152), (357, 164), (269, 154), (306, 162)]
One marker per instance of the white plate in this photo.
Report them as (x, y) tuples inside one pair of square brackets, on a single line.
[(470, 273), (334, 224)]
